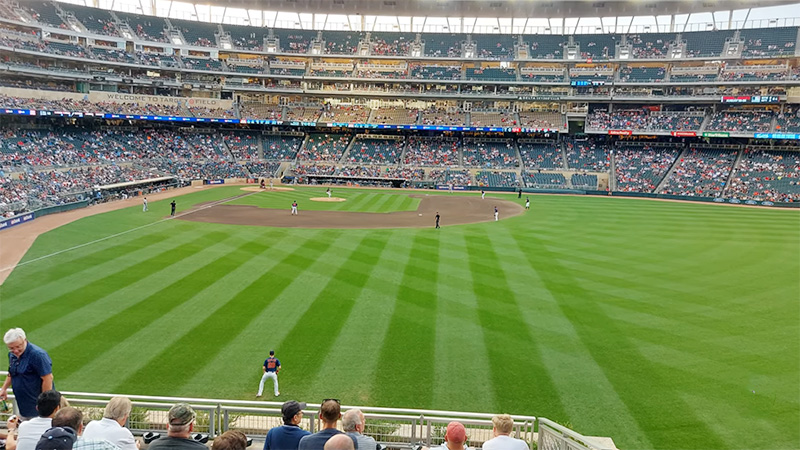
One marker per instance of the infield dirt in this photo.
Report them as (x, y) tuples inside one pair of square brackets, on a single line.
[(453, 211)]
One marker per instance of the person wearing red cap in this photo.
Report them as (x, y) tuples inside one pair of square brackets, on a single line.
[(455, 437)]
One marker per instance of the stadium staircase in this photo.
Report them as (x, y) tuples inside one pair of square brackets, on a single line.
[(734, 168), (675, 164), (564, 158), (612, 176), (347, 150), (174, 32), (231, 151)]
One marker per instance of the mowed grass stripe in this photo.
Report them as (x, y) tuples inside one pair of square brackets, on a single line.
[(513, 353), (40, 282), (365, 330), (460, 342), (629, 372), (404, 376), (589, 399), (380, 203), (132, 354), (224, 325), (83, 295), (273, 325), (63, 328), (323, 319), (81, 349), (86, 259)]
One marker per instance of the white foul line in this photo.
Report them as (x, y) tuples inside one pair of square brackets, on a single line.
[(218, 202)]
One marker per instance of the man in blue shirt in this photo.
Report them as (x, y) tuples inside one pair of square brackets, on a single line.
[(330, 411), (272, 366), (30, 372), (288, 435)]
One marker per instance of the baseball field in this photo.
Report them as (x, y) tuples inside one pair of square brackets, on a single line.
[(663, 325)]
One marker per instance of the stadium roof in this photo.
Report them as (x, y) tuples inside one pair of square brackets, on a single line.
[(475, 16), (502, 8)]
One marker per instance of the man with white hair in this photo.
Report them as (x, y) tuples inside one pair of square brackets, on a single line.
[(112, 426), (502, 426), (30, 372), (353, 424)]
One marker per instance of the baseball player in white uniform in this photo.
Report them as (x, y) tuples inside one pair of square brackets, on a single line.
[(329, 192), (496, 214), (144, 205), (271, 367)]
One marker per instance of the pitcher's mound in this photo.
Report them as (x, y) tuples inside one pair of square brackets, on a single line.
[(256, 189), (326, 199)]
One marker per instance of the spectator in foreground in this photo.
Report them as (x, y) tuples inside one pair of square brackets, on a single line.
[(288, 435), (330, 411), (230, 440), (180, 422), (353, 424), (69, 421), (501, 428), (30, 431), (112, 426), (30, 372), (339, 442), (455, 437)]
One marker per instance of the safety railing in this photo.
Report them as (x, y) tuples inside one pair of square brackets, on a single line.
[(391, 427)]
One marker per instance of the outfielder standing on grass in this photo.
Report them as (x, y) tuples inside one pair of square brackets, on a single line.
[(271, 367)]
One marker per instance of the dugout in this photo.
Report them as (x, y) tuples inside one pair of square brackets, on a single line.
[(134, 188)]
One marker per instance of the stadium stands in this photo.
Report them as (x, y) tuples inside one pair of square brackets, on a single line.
[(583, 181), (203, 64), (243, 145), (700, 173), (492, 119), (544, 180), (641, 74), (641, 169), (493, 46), (342, 42), (394, 116), (443, 117), (281, 147), (261, 111), (148, 28), (375, 151), (439, 45), (345, 114), (324, 147), (769, 42), (701, 44), (432, 72), (597, 46), (651, 45), (44, 12), (391, 44), (294, 41), (451, 176), (789, 121), (542, 120), (496, 179), (766, 175), (587, 155), (248, 38), (489, 154), (200, 34), (492, 74), (436, 152), (541, 155), (741, 121), (98, 21), (545, 46), (303, 113)]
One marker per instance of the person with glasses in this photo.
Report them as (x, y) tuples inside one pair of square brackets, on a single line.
[(330, 411), (288, 435)]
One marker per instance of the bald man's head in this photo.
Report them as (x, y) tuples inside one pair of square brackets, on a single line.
[(340, 442)]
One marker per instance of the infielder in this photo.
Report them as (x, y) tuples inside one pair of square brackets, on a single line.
[(496, 214), (294, 208), (272, 366), (483, 194), (527, 203), (144, 205)]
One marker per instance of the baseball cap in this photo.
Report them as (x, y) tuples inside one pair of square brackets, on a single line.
[(181, 414), (57, 438), (456, 432), (292, 407)]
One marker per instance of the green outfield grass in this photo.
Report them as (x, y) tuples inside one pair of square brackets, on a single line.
[(662, 325)]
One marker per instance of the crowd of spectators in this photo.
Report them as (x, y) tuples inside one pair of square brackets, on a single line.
[(766, 176), (644, 46), (489, 154), (451, 176), (541, 155), (313, 169), (496, 179), (741, 121), (324, 147), (789, 120), (445, 117), (347, 114), (640, 119), (281, 147), (397, 47), (587, 155), (701, 173), (640, 169), (439, 152), (376, 151)]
